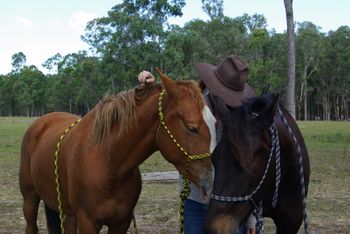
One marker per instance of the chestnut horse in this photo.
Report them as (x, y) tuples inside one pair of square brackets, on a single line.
[(99, 178), (253, 169)]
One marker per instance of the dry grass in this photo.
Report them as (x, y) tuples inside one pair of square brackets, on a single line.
[(157, 209)]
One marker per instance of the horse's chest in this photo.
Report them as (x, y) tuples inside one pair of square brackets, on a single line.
[(116, 202)]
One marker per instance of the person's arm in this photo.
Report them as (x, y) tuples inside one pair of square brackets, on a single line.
[(145, 77)]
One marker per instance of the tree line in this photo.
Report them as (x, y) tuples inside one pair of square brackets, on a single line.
[(136, 36)]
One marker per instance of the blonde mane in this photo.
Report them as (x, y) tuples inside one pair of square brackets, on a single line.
[(121, 108)]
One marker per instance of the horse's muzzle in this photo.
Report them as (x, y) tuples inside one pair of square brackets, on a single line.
[(221, 225)]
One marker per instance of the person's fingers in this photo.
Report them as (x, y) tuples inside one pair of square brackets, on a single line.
[(142, 76), (145, 77), (150, 79)]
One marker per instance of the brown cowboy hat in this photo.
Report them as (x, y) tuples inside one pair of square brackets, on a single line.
[(228, 80)]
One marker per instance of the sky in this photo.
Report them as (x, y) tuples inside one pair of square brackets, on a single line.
[(42, 28)]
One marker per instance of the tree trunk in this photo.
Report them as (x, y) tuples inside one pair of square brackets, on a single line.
[(70, 105), (290, 105), (305, 100)]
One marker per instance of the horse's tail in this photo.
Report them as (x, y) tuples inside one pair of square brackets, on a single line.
[(52, 220)]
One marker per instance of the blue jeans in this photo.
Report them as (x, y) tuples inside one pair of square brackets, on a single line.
[(195, 213)]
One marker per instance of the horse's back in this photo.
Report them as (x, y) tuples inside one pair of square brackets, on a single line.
[(37, 149), (45, 128)]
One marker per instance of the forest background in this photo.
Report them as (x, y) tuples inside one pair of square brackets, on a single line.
[(136, 36)]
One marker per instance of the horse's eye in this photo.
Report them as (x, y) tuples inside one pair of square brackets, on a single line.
[(192, 129)]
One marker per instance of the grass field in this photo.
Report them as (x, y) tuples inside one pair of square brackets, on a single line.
[(156, 212)]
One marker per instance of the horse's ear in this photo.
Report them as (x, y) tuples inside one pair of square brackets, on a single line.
[(169, 85), (263, 109), (219, 106)]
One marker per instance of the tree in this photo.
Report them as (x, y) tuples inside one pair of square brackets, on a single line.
[(18, 61), (309, 51), (334, 82), (213, 8), (131, 38), (253, 22), (51, 64), (290, 105)]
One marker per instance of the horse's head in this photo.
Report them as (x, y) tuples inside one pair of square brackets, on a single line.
[(239, 160), (187, 136)]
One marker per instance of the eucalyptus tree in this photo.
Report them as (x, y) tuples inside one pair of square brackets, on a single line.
[(18, 61), (334, 78), (131, 38), (7, 100), (31, 96), (208, 41), (213, 8), (51, 64), (290, 104), (309, 50)]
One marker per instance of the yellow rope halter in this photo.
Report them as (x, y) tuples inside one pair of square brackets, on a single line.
[(185, 185)]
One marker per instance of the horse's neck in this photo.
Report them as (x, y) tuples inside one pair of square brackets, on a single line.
[(139, 142)]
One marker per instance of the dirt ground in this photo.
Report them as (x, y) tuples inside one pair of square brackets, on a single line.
[(157, 210)]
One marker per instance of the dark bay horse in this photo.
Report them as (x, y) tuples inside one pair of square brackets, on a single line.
[(245, 167), (98, 172)]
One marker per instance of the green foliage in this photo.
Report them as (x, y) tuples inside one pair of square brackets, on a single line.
[(213, 8), (136, 36), (18, 61)]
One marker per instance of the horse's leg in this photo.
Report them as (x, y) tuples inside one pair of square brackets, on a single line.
[(288, 221), (85, 224), (70, 225), (31, 202), (120, 227)]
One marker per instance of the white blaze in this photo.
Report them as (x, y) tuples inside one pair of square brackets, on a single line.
[(210, 121)]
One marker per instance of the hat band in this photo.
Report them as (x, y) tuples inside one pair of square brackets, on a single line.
[(228, 85)]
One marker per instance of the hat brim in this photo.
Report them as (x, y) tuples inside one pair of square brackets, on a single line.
[(231, 97)]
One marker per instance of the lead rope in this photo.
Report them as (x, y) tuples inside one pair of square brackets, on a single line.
[(185, 192), (301, 169), (278, 165), (58, 189), (258, 212)]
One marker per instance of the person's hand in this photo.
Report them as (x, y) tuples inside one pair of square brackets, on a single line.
[(145, 77), (251, 224), (251, 231)]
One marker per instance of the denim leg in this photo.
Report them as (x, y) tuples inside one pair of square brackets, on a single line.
[(242, 229), (195, 213)]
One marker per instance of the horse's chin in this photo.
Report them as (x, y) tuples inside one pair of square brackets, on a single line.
[(222, 225)]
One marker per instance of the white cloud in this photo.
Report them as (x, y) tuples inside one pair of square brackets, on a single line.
[(79, 20), (27, 23), (54, 22)]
